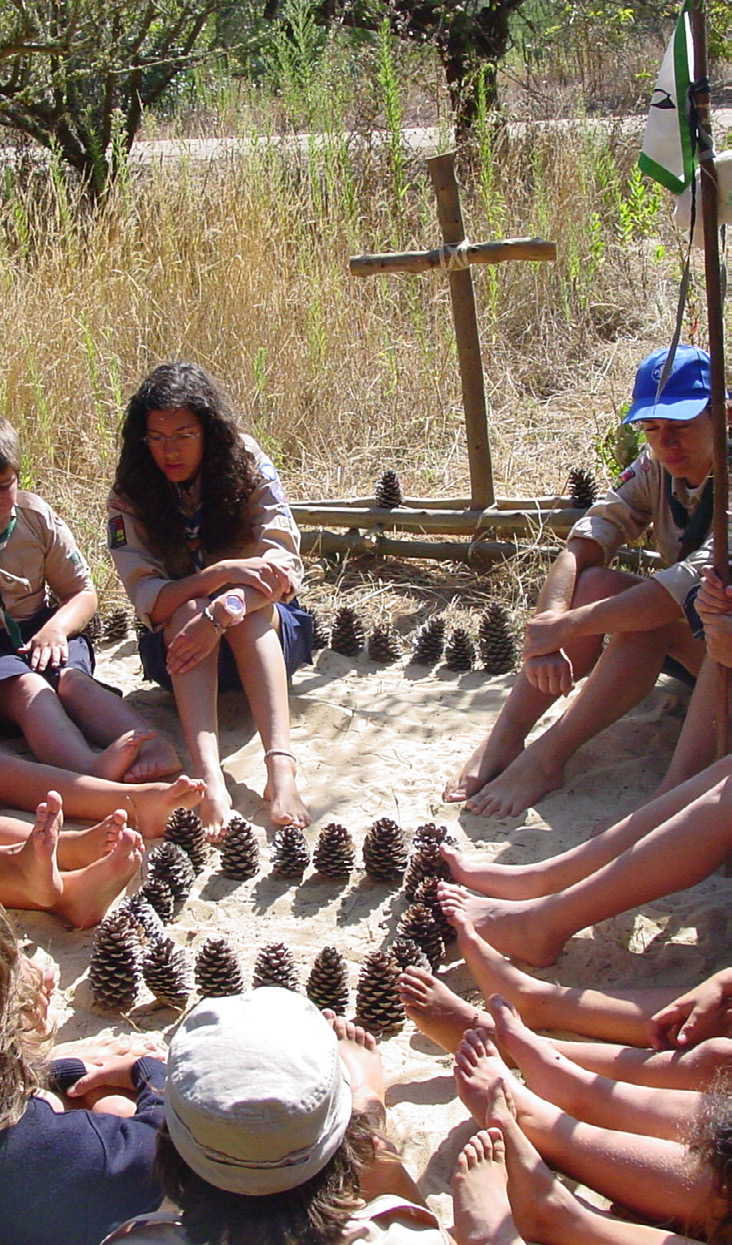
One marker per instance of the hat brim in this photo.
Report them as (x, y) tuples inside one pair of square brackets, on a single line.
[(673, 408)]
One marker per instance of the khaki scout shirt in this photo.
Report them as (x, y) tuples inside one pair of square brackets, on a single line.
[(274, 536), (41, 552), (637, 501)]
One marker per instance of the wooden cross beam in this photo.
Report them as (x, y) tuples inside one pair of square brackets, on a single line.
[(456, 256)]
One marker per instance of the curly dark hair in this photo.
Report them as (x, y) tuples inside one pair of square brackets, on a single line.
[(314, 1213), (712, 1146), (228, 473)]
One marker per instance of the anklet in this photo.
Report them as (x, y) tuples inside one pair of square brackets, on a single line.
[(281, 752)]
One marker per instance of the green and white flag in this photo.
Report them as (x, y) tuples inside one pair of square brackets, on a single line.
[(667, 154)]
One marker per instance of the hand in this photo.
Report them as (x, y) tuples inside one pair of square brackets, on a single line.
[(265, 576), (193, 642), (94, 1049), (704, 1012), (114, 1071), (713, 598), (718, 638), (49, 646), (548, 632), (551, 674)]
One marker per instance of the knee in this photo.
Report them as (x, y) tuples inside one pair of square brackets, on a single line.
[(22, 689), (593, 584), (71, 681), (183, 615), (710, 1056)]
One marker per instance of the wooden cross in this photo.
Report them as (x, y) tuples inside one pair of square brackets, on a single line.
[(455, 256)]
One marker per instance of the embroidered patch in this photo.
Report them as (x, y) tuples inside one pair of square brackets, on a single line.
[(626, 475), (75, 558), (116, 534)]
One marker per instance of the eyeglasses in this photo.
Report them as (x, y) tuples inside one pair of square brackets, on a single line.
[(156, 440)]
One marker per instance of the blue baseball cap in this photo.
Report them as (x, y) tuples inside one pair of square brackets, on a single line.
[(686, 393)]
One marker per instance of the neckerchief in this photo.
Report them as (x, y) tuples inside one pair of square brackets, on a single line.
[(191, 512), (11, 625), (694, 528)]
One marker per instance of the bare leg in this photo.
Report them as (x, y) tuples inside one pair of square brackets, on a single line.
[(659, 864), (525, 704), (693, 1068), (148, 805), (695, 746), (28, 701), (625, 673), (76, 848), (652, 1176), (196, 696), (483, 1213), (89, 892), (588, 1096), (436, 1010), (359, 1052), (259, 659), (544, 1209), (104, 718)]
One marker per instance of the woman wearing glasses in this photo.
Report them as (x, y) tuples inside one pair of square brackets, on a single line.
[(203, 539)]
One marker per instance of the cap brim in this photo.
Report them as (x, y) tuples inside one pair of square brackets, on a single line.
[(674, 408)]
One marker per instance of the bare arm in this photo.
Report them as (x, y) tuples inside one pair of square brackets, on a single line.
[(49, 645), (262, 581), (643, 607)]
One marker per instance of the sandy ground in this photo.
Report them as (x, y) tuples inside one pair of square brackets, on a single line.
[(372, 742)]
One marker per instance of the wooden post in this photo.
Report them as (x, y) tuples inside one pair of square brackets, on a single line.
[(442, 173)]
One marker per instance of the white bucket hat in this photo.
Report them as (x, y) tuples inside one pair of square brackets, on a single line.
[(257, 1098)]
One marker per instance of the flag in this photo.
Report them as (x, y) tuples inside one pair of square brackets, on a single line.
[(667, 154)]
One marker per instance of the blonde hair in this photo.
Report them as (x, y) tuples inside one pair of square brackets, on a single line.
[(20, 1072)]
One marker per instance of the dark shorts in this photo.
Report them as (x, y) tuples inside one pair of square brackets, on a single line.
[(81, 652), (296, 638)]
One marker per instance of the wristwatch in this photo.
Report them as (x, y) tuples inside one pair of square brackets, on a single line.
[(234, 608)]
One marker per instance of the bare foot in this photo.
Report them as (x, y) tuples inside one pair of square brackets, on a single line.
[(287, 808), (492, 756), (436, 1010), (494, 974), (483, 1213), (478, 1068), (149, 806), (521, 785), (156, 759), (114, 762), (79, 848), (215, 808), (30, 876), (360, 1054), (521, 929), (87, 893), (489, 878)]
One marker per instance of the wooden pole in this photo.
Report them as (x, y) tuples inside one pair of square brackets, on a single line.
[(712, 273), (438, 522), (442, 173), (475, 253)]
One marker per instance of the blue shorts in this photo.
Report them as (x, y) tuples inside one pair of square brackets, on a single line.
[(81, 652), (296, 638)]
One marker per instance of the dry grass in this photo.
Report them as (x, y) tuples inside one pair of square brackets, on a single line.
[(243, 267)]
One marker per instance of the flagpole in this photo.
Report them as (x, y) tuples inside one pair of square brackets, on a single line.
[(715, 326)]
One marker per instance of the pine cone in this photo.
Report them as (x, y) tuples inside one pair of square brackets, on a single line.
[(385, 851), (239, 851), (429, 643), (407, 954), (169, 863), (346, 634), (289, 854), (495, 639), (419, 924), (429, 833), (116, 625), (426, 894), (378, 1005), (459, 650), (167, 972), (384, 645), (321, 634), (185, 828), (115, 970), (388, 491), (425, 862), (217, 970), (94, 628), (335, 854), (157, 893), (275, 966), (327, 985), (583, 487), (145, 917)]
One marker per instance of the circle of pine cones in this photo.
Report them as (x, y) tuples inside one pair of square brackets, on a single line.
[(275, 966), (385, 851), (239, 851), (335, 854), (185, 828), (167, 972), (378, 1005), (115, 969), (327, 985), (289, 855), (217, 970), (418, 923), (168, 863)]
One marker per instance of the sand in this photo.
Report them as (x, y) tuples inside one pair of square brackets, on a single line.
[(371, 742)]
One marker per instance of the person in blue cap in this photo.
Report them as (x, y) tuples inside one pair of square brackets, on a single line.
[(583, 600)]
